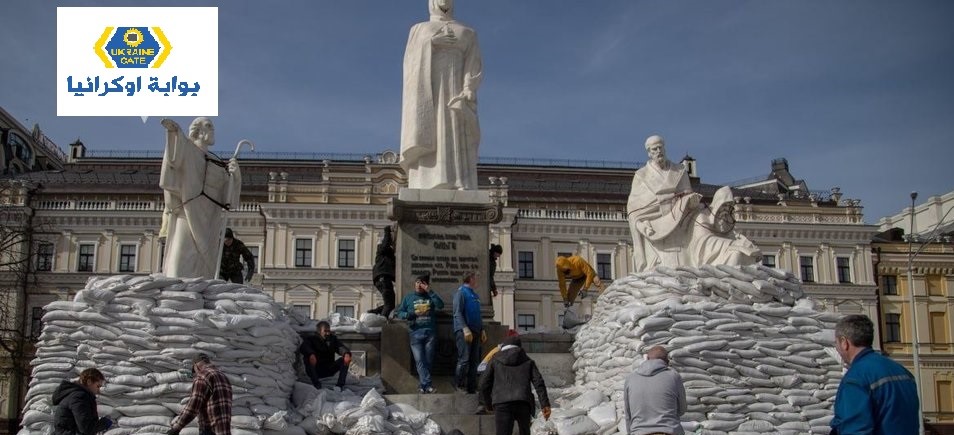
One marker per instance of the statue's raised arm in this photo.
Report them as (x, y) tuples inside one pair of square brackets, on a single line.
[(197, 188)]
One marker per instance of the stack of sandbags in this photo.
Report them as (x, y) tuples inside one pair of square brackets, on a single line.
[(755, 356), (142, 333), (344, 412)]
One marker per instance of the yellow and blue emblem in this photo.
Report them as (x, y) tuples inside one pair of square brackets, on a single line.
[(132, 47)]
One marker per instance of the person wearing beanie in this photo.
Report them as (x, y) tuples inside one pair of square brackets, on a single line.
[(505, 388), (233, 252), (495, 252), (383, 273), (419, 309)]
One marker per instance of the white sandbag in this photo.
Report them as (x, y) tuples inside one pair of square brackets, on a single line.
[(604, 415), (579, 425)]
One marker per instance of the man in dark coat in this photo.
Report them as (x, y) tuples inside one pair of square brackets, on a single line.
[(319, 353), (383, 273), (495, 251), (233, 251), (505, 388), (74, 405)]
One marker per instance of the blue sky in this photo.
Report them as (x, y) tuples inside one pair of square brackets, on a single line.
[(856, 94)]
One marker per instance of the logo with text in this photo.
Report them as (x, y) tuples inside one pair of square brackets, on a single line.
[(133, 69), (133, 47)]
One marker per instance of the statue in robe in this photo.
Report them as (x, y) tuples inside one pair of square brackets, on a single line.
[(440, 132), (198, 188), (669, 224)]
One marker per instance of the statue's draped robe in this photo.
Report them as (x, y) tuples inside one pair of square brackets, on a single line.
[(195, 223), (659, 198), (439, 143)]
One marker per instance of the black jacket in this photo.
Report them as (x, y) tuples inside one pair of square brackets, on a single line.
[(493, 270), (74, 411), (384, 260), (512, 372), (325, 350)]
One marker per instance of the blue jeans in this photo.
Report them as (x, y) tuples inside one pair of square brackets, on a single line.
[(468, 357), (423, 342)]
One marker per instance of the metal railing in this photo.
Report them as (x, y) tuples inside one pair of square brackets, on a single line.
[(359, 157)]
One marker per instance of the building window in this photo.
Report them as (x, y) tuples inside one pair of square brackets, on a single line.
[(36, 322), (346, 253), (345, 310), (302, 252), (945, 396), (844, 269), (892, 328), (127, 258), (87, 253), (526, 322), (254, 251), (604, 266), (889, 285), (768, 261), (525, 264), (44, 257), (934, 285), (303, 309), (938, 328), (807, 265)]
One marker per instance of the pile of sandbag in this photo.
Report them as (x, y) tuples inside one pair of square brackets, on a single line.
[(755, 356), (344, 412), (142, 333)]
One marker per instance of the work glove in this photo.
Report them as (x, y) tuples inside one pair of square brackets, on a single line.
[(347, 359), (483, 337), (546, 412), (312, 360), (468, 336), (105, 423)]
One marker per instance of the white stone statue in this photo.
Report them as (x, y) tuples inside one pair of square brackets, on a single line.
[(439, 128), (197, 188), (671, 227)]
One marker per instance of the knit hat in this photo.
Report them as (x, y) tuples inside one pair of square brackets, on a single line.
[(228, 234), (426, 279)]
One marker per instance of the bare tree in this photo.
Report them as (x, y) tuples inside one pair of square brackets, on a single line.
[(16, 276)]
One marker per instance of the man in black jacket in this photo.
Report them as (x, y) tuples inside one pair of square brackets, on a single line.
[(495, 251), (383, 273), (505, 388), (319, 354), (74, 405), (233, 252)]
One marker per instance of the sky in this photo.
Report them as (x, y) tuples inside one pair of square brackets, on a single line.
[(857, 94)]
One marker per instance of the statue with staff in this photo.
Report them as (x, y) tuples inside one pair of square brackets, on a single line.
[(198, 189)]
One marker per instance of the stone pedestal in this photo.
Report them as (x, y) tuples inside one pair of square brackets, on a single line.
[(444, 234)]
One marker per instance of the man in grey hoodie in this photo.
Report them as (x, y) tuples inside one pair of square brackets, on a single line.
[(654, 397)]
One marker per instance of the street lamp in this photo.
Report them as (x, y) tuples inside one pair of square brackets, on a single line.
[(916, 345), (932, 236)]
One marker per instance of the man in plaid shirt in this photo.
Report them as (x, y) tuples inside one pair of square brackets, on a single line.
[(211, 400)]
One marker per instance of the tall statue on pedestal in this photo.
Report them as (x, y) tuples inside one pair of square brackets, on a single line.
[(671, 227), (439, 127), (198, 187)]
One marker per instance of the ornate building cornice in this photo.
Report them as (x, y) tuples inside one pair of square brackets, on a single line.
[(444, 213)]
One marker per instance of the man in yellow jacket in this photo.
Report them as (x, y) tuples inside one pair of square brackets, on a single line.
[(580, 274)]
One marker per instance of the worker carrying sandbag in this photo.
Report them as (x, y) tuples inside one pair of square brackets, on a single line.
[(581, 276)]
